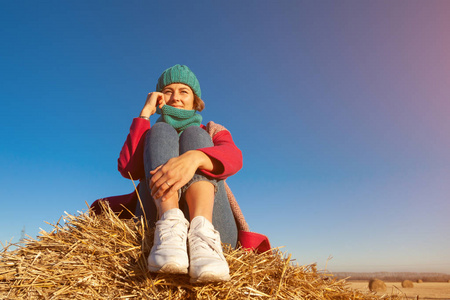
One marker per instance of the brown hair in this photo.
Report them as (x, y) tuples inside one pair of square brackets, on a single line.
[(199, 105)]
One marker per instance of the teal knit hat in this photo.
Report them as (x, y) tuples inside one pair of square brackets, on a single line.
[(179, 74)]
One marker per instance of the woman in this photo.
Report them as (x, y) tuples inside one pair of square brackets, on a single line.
[(184, 171)]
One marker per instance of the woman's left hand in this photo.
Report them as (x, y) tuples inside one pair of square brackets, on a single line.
[(168, 178)]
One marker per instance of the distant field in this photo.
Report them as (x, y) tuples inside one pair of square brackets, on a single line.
[(425, 291)]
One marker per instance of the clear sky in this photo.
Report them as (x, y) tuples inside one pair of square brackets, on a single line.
[(341, 109)]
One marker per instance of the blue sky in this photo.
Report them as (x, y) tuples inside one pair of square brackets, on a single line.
[(340, 108)]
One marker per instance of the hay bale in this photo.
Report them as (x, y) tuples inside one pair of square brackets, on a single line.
[(419, 281), (104, 257), (407, 284), (377, 285)]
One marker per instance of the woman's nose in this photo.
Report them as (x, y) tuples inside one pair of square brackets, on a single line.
[(175, 96)]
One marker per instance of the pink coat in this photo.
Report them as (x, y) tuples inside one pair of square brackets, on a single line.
[(131, 162)]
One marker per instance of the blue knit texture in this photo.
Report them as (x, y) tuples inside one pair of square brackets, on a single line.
[(179, 74), (180, 119)]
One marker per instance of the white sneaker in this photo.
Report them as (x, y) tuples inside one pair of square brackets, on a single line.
[(207, 263), (168, 254)]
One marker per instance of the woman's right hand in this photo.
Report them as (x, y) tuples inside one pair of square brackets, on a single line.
[(153, 99)]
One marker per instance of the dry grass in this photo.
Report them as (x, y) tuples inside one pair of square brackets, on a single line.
[(407, 284), (376, 285), (104, 257), (425, 290)]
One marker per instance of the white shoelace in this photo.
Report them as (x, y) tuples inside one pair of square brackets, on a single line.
[(199, 239), (171, 232)]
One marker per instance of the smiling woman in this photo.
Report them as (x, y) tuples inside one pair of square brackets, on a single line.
[(182, 165), (178, 95)]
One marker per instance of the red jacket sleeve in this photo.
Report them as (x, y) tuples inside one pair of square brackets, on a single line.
[(226, 152), (131, 157)]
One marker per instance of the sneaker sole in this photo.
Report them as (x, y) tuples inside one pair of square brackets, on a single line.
[(169, 268), (210, 277)]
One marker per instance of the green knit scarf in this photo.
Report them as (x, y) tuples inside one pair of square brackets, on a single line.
[(180, 119)]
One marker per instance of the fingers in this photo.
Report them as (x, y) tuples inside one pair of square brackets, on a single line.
[(161, 102), (169, 192), (156, 169), (165, 191), (167, 179), (154, 98), (162, 183), (154, 176), (163, 187)]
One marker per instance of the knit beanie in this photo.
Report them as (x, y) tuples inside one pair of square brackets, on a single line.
[(179, 74)]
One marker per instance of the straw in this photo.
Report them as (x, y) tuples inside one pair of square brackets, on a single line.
[(90, 256)]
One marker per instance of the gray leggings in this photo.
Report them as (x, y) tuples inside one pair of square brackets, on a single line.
[(161, 144)]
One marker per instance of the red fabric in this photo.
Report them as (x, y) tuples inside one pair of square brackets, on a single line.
[(131, 157), (131, 160), (117, 204), (249, 240), (226, 152), (254, 241)]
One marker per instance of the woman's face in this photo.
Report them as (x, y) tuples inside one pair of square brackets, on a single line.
[(179, 95)]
